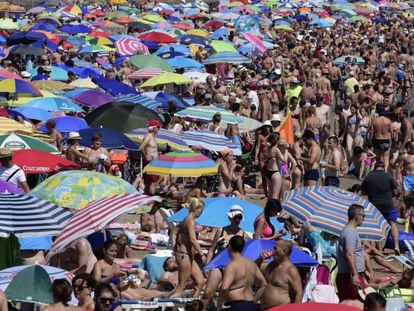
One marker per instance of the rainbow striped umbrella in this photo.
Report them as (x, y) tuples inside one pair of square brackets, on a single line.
[(163, 138), (18, 86), (327, 209), (182, 164)]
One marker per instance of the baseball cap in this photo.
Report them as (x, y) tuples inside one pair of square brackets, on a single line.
[(235, 210)]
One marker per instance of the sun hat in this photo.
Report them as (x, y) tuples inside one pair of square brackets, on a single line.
[(5, 153), (74, 135), (25, 74), (235, 210), (276, 117)]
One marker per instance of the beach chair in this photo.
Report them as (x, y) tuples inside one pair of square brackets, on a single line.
[(160, 304)]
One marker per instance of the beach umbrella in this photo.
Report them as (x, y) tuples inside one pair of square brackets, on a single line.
[(40, 162), (97, 215), (130, 46), (313, 306), (164, 98), (92, 49), (92, 98), (51, 85), (155, 18), (8, 24), (194, 40), (57, 73), (36, 10), (54, 104), (255, 41), (252, 250), (171, 54), (163, 138), (132, 116), (167, 78), (31, 285), (358, 18), (29, 50), (145, 73), (184, 62), (320, 22), (67, 124), (210, 141), (215, 214), (111, 139), (182, 164), (226, 58), (249, 124), (101, 41), (8, 125), (116, 14), (222, 46), (18, 86), (9, 75), (138, 99), (340, 61), (83, 83), (7, 187), (75, 28), (26, 215), (206, 113), (75, 189), (159, 37), (34, 113), (151, 61), (169, 48), (114, 87), (20, 142), (326, 208)]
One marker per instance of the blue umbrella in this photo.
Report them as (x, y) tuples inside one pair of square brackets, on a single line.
[(54, 104), (170, 54), (323, 23), (194, 39), (41, 242), (76, 41), (75, 28), (184, 62), (75, 92), (252, 250), (226, 58), (151, 44), (111, 139), (114, 87), (58, 74), (25, 37), (34, 113), (164, 98), (215, 214), (44, 26), (173, 47), (67, 124), (82, 72), (51, 46), (219, 33), (282, 22)]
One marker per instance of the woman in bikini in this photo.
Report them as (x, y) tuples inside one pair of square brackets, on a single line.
[(363, 128), (186, 248), (263, 228), (221, 238), (260, 156), (273, 176), (286, 164), (352, 129)]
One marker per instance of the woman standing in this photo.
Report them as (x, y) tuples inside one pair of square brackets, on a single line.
[(260, 156), (186, 248), (353, 122), (263, 228), (273, 176)]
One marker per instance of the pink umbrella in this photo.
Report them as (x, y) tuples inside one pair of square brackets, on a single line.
[(130, 46), (255, 41), (145, 73)]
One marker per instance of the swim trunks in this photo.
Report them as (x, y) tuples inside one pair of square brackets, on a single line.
[(311, 175), (408, 182), (332, 181), (244, 305), (382, 144)]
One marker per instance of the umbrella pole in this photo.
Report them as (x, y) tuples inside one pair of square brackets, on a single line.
[(140, 165)]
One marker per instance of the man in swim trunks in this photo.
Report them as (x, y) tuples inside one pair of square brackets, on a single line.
[(311, 159), (408, 174), (381, 137), (239, 277), (333, 166)]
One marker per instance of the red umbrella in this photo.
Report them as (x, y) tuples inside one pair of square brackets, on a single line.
[(214, 24), (36, 161), (9, 75), (3, 112), (182, 26), (157, 37), (313, 306)]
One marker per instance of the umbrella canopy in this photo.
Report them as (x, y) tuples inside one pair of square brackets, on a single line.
[(18, 86), (58, 74), (215, 214), (75, 29), (52, 85), (24, 215), (21, 142), (255, 41), (163, 137), (167, 78), (226, 58), (54, 104), (151, 61), (206, 113), (6, 187), (164, 98), (8, 24), (92, 98), (327, 208), (210, 141), (159, 37), (29, 50), (252, 250), (9, 75), (96, 215), (75, 189), (195, 40), (130, 46), (184, 62), (8, 125), (114, 87), (111, 139), (34, 113), (132, 116), (67, 124), (145, 73), (182, 164), (40, 162), (31, 285), (223, 46), (313, 306)]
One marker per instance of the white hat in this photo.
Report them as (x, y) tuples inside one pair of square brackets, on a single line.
[(276, 117), (25, 74), (267, 123), (294, 80), (351, 73), (278, 71), (235, 210), (74, 135)]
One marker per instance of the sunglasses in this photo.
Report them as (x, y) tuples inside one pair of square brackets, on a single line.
[(238, 217), (106, 300), (80, 288)]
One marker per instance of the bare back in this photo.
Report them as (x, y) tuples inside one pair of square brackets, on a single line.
[(382, 128)]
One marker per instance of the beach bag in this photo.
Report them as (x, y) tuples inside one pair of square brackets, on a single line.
[(395, 301), (319, 287)]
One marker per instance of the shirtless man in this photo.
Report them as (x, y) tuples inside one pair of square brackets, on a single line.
[(219, 92), (239, 277), (406, 128), (381, 138), (323, 87), (54, 134), (77, 257), (408, 179), (149, 152), (268, 63), (335, 78), (284, 284), (333, 166), (311, 159), (312, 122)]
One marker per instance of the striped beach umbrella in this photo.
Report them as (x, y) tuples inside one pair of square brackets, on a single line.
[(206, 113), (23, 142), (210, 141), (182, 164), (25, 216), (226, 58), (145, 73), (327, 209), (18, 86), (130, 46), (8, 125), (96, 215), (163, 138)]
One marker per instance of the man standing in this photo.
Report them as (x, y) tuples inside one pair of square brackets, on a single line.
[(333, 166), (380, 187), (11, 172), (351, 265), (284, 284), (239, 277), (311, 160), (149, 150), (381, 137)]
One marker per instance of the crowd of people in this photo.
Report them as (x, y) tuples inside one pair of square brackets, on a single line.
[(351, 122)]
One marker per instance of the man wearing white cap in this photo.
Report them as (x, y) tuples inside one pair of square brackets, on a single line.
[(72, 152), (10, 172)]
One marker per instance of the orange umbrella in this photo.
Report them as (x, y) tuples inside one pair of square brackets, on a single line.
[(125, 20)]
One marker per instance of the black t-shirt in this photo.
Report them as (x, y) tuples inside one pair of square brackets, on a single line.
[(379, 185)]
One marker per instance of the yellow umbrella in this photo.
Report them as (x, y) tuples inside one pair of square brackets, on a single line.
[(21, 100), (102, 41), (84, 83), (51, 85), (167, 78), (118, 1), (222, 46), (198, 32), (154, 18), (8, 125)]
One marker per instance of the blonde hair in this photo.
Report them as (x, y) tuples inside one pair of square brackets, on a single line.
[(194, 203)]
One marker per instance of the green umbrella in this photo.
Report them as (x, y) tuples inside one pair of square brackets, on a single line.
[(31, 285), (150, 61), (222, 46), (116, 14), (253, 8), (20, 142), (167, 78), (359, 18), (235, 3), (272, 3)]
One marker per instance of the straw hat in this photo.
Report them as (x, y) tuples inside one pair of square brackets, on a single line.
[(5, 153)]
